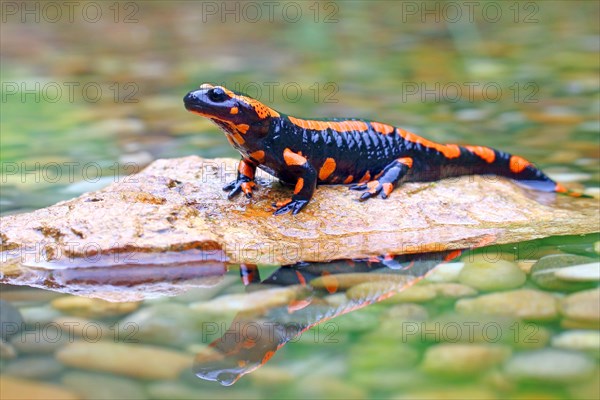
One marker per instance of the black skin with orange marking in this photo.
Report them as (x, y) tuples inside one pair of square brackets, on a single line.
[(372, 156)]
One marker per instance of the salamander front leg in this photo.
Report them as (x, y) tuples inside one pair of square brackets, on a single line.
[(391, 176), (244, 181)]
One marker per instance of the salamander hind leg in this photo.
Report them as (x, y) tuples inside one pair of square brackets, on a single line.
[(392, 174), (305, 184), (244, 181)]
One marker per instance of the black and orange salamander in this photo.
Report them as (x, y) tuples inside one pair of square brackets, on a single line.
[(371, 156)]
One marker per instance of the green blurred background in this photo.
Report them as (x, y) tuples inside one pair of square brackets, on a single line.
[(92, 91)]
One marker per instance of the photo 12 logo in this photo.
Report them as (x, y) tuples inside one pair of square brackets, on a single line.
[(270, 11), (525, 12), (70, 92), (53, 12)]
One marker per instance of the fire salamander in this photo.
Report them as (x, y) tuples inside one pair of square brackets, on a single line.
[(372, 156)]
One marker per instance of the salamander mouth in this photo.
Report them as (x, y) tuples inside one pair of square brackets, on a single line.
[(192, 102)]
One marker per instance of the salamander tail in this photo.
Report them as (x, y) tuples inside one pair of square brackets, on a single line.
[(561, 189)]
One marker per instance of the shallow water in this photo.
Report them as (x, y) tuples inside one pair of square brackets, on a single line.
[(526, 83)]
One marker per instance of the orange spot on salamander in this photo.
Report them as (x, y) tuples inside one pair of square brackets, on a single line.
[(299, 185), (372, 186), (258, 156), (518, 164), (301, 278), (268, 355), (292, 158), (349, 179), (366, 177), (234, 110), (245, 169), (485, 153), (338, 126), (283, 203), (384, 129), (406, 161), (298, 305), (327, 169), (247, 187), (452, 255), (330, 282), (261, 110), (448, 150), (243, 128), (387, 188)]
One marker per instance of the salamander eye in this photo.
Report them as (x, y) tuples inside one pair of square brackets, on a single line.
[(217, 95)]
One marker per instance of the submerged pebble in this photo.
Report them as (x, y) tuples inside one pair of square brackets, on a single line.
[(448, 272), (580, 273), (584, 340), (496, 275), (414, 294), (550, 365), (7, 351), (11, 320), (543, 272), (45, 340), (92, 386), (582, 306), (144, 362), (247, 302), (88, 307), (17, 388), (33, 367), (522, 303), (453, 290), (463, 359)]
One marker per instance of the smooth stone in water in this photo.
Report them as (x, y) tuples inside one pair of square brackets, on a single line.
[(367, 355), (33, 367), (414, 294), (144, 362), (407, 312), (489, 276), (448, 272), (7, 351), (345, 281), (317, 387), (92, 308), (92, 386), (11, 320), (41, 341), (453, 290), (463, 359), (24, 389), (39, 315), (582, 306), (170, 324), (452, 393), (523, 303), (356, 321), (247, 302), (583, 340), (543, 272), (168, 390), (550, 366), (580, 273)]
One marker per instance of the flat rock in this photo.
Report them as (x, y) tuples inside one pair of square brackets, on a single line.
[(178, 204)]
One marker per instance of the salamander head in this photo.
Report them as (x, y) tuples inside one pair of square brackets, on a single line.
[(234, 112)]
